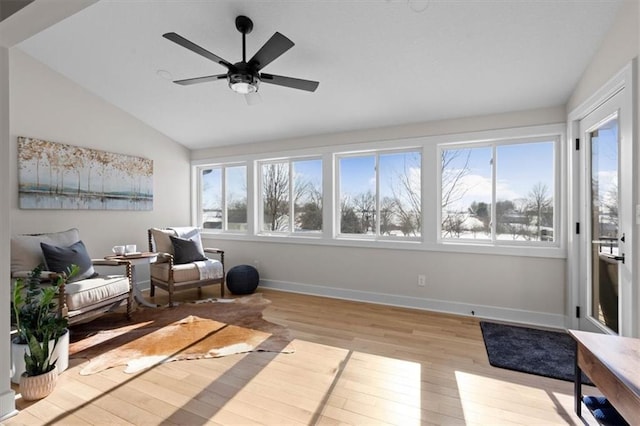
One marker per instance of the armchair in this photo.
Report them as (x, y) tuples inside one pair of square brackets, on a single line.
[(87, 295), (182, 261)]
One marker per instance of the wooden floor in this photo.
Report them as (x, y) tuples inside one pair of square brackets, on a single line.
[(355, 363)]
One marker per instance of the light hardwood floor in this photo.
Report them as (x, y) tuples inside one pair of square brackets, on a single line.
[(355, 363)]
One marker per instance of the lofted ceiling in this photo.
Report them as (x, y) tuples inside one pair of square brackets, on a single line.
[(379, 62)]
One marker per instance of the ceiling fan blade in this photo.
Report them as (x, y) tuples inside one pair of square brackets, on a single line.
[(178, 39), (295, 83), (205, 79), (272, 49)]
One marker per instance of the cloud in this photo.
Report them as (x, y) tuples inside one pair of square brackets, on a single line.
[(479, 188)]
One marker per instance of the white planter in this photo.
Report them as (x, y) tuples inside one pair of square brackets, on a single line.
[(61, 353)]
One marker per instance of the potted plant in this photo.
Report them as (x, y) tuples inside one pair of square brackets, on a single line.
[(39, 328)]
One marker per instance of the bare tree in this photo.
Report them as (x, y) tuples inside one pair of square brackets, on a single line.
[(364, 204), (539, 202), (452, 191), (387, 213), (407, 196), (275, 192)]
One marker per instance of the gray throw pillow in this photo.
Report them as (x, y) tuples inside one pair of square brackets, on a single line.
[(185, 251), (59, 259)]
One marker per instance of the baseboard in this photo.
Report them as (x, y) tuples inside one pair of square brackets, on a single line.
[(7, 404), (480, 311)]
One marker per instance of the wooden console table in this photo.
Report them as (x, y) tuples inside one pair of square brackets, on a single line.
[(613, 365)]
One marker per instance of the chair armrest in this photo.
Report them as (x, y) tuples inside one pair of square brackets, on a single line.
[(27, 274), (213, 250), (110, 262), (164, 257)]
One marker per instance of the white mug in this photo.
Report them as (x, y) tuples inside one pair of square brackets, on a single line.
[(130, 248), (118, 250)]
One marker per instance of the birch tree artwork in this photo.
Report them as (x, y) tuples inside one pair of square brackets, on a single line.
[(58, 176)]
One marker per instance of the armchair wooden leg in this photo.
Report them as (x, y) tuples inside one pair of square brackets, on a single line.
[(129, 305)]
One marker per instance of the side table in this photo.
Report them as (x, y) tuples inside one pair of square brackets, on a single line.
[(137, 259)]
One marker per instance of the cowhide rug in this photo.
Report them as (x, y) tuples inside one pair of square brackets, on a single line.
[(187, 331)]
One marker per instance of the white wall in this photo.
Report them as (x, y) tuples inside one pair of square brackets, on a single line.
[(618, 48), (46, 105), (508, 287)]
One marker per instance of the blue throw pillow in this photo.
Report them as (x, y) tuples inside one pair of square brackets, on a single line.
[(185, 251), (59, 259)]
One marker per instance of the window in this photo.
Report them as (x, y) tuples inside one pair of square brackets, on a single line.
[(223, 197), (380, 194), (499, 192), (494, 191), (291, 192)]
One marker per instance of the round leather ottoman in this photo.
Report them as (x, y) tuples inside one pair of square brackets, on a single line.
[(242, 279)]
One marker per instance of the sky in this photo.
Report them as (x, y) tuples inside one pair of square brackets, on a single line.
[(519, 167)]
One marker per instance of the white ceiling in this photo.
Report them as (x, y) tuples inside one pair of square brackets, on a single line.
[(379, 62)]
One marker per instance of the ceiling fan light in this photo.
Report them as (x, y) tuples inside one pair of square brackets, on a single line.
[(243, 88), (243, 83)]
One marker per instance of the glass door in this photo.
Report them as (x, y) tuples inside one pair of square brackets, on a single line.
[(606, 293), (604, 224)]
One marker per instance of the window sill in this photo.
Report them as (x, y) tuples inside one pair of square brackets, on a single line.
[(415, 245)]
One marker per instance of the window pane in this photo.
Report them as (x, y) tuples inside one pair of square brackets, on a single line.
[(236, 192), (400, 194), (466, 193), (307, 183), (524, 192), (357, 195), (275, 196), (211, 180)]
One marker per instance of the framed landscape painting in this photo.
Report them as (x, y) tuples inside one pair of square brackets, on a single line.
[(57, 176)]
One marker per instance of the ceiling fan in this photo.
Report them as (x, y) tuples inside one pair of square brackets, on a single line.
[(245, 77)]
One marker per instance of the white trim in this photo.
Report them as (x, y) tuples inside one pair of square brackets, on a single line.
[(449, 247), (7, 403), (623, 80), (479, 311)]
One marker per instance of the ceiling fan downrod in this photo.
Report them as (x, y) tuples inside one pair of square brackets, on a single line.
[(244, 25)]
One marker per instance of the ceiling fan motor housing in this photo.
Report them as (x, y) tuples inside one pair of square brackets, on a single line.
[(244, 76)]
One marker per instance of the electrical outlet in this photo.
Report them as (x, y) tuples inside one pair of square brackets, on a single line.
[(422, 280)]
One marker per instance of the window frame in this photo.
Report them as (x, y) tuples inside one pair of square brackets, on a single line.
[(556, 139), (198, 196), (338, 204), (430, 178), (291, 199)]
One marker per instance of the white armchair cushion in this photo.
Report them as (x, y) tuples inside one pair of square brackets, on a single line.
[(93, 290), (182, 273)]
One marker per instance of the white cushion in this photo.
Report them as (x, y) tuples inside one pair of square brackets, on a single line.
[(182, 273), (162, 242), (26, 252), (90, 291)]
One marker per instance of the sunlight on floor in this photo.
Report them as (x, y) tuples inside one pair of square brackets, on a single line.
[(337, 384), (492, 400)]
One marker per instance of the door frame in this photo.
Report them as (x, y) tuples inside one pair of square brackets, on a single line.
[(623, 82)]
